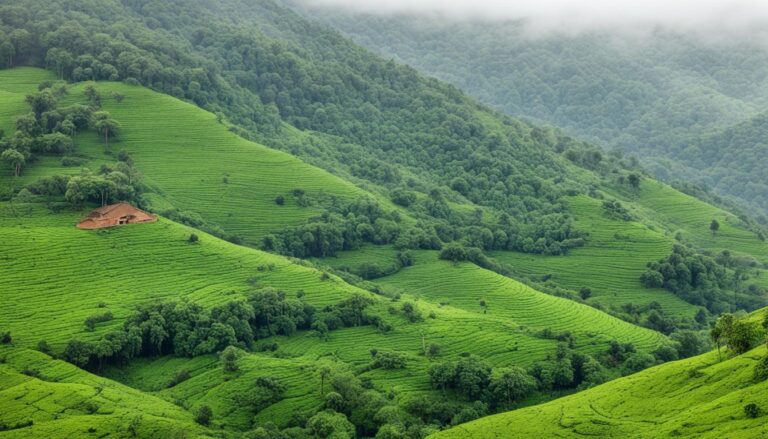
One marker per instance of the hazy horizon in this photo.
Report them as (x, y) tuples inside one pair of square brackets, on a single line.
[(712, 18)]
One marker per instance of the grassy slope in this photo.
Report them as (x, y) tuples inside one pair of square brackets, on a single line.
[(698, 397), (693, 216), (55, 402), (611, 262), (465, 285), (54, 276), (185, 155)]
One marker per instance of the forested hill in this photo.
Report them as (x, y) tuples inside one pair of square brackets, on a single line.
[(653, 95), (735, 158)]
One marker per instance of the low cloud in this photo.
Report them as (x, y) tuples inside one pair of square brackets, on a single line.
[(708, 17)]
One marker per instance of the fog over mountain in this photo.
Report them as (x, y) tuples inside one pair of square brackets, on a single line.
[(712, 18)]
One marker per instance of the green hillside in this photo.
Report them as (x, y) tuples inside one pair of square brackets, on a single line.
[(42, 397), (179, 149), (698, 397), (344, 248)]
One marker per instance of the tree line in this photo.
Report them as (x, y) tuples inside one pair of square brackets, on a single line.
[(186, 329)]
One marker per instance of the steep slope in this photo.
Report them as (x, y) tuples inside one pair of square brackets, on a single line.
[(43, 397), (698, 397), (652, 94)]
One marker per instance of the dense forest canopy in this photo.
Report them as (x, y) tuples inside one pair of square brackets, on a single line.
[(663, 95)]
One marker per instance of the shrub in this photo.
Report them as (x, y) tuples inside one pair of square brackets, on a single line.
[(585, 293), (751, 410), (193, 238), (204, 415), (279, 200), (388, 360), (92, 321), (6, 338), (44, 347)]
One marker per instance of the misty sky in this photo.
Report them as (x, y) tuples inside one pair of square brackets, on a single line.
[(716, 16)]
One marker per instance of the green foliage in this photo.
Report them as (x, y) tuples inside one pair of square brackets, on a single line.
[(204, 415), (738, 334), (388, 360), (229, 358), (92, 321), (511, 384), (701, 280), (330, 425), (752, 410)]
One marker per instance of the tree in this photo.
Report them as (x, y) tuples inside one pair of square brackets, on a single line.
[(442, 375), (15, 159), (324, 372), (229, 358), (331, 425), (22, 41), (585, 293), (204, 415), (634, 180), (472, 376), (721, 331), (60, 59), (714, 226), (94, 97), (105, 125), (7, 51), (512, 384), (742, 336), (78, 353), (41, 102), (751, 410)]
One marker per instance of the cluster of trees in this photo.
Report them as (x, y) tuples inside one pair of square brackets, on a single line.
[(501, 388), (615, 209), (48, 129), (738, 334), (186, 329), (718, 283), (112, 182), (346, 226)]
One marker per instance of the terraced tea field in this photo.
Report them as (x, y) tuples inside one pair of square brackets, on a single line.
[(53, 276), (465, 285), (64, 401), (698, 397), (693, 216), (610, 264)]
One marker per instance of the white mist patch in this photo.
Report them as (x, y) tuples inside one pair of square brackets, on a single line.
[(708, 17)]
